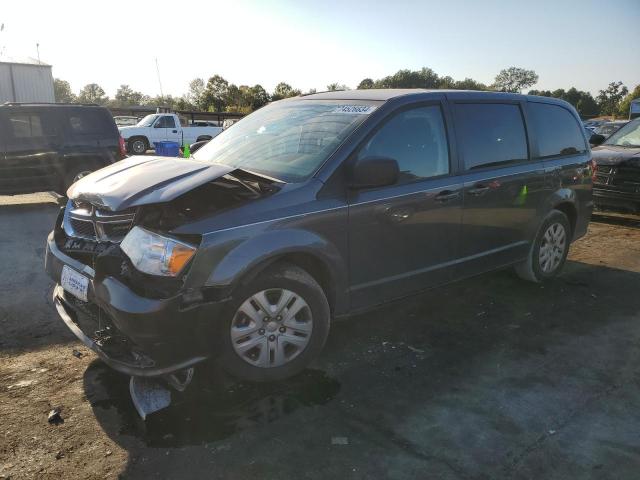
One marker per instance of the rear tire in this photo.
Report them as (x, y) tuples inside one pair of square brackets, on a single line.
[(548, 252), (281, 339)]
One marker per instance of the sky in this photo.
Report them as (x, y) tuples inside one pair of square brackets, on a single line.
[(583, 43)]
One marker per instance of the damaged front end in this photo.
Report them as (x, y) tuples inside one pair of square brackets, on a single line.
[(142, 324)]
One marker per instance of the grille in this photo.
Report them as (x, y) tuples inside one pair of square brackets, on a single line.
[(628, 175), (604, 169), (83, 220), (83, 228)]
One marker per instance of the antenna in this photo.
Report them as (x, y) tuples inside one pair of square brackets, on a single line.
[(38, 50), (159, 81)]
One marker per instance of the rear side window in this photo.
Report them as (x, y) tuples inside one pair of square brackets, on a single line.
[(557, 130), (29, 125), (490, 134), (89, 122), (416, 139)]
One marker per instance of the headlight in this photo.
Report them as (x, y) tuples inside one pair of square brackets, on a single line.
[(154, 254)]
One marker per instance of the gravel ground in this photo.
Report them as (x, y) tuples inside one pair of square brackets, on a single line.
[(487, 378)]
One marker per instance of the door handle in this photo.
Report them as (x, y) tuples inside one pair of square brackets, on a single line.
[(175, 131), (446, 195), (478, 190)]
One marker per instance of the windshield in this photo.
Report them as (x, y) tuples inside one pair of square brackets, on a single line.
[(286, 140), (147, 121), (627, 136)]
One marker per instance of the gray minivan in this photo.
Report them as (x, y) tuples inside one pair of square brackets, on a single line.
[(308, 210)]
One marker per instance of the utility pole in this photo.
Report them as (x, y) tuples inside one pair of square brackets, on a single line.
[(2, 47), (159, 81)]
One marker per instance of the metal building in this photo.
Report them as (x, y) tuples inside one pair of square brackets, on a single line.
[(25, 80)]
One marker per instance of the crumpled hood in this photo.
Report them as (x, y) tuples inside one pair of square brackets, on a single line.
[(612, 155), (143, 180)]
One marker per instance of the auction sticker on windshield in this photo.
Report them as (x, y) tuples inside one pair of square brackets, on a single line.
[(74, 283), (354, 109)]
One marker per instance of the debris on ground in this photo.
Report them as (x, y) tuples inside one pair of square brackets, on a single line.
[(148, 395), (59, 455), (414, 349), (55, 416), (339, 441), (77, 353), (108, 453), (21, 383)]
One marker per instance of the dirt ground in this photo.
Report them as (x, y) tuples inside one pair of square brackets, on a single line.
[(488, 378)]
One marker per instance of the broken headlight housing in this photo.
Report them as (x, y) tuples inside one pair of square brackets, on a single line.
[(156, 254)]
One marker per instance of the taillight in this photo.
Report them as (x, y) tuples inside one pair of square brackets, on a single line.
[(594, 167), (123, 147)]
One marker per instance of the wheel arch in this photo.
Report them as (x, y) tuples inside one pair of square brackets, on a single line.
[(570, 210), (564, 200), (305, 249)]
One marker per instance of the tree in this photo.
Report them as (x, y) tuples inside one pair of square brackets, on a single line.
[(332, 87), (92, 93), (365, 84), (62, 91), (215, 94), (610, 98), (258, 97), (469, 84), (126, 96), (625, 104), (195, 94), (423, 78), (587, 106), (284, 90), (514, 79)]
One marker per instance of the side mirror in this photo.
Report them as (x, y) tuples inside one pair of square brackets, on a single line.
[(369, 172), (596, 139)]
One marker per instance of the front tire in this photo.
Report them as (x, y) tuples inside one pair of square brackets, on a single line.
[(549, 250), (275, 326), (138, 145)]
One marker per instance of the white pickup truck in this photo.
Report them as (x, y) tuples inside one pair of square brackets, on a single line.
[(159, 127)]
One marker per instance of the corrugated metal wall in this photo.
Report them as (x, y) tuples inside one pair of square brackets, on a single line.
[(30, 83)]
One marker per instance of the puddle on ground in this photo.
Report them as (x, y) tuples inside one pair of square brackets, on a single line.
[(207, 411)]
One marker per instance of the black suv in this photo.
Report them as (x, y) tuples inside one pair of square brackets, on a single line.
[(617, 181), (311, 209), (49, 146)]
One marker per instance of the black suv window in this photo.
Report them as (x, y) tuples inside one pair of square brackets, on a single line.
[(29, 125), (87, 122), (557, 131), (490, 134), (166, 122), (417, 139)]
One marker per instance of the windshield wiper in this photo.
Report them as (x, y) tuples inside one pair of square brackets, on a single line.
[(259, 175)]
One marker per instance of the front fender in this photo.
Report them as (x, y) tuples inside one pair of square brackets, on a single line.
[(244, 257)]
